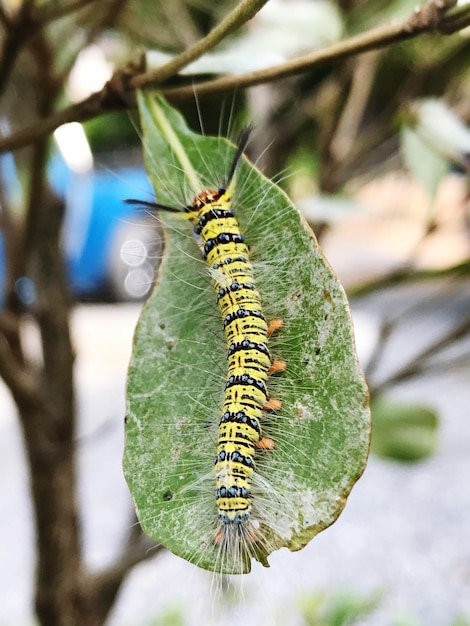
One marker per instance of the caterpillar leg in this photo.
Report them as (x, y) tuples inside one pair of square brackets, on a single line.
[(277, 366), (265, 443), (272, 405), (275, 325)]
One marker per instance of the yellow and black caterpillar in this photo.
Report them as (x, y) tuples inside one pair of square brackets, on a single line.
[(249, 362)]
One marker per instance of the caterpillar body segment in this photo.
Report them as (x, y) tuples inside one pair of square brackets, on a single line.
[(248, 359)]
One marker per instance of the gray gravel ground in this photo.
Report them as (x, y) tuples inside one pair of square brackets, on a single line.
[(405, 532)]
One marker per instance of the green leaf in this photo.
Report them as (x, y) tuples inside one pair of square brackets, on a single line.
[(178, 368), (404, 432)]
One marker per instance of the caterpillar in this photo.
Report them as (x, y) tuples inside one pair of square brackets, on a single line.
[(249, 362), (224, 249), (282, 472)]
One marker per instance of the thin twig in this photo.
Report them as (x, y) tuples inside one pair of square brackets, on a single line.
[(385, 334), (101, 588), (112, 96), (139, 547), (352, 113), (455, 20), (405, 275), (239, 16), (373, 39), (118, 92), (96, 104), (421, 363)]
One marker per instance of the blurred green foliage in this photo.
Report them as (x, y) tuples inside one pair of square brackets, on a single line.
[(343, 608), (404, 432)]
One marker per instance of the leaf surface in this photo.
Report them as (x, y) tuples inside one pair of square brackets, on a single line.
[(177, 373)]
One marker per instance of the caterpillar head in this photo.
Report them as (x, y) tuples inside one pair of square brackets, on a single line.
[(203, 203)]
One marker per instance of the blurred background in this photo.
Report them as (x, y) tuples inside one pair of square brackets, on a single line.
[(375, 151)]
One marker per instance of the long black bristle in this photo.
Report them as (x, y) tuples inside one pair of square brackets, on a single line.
[(152, 205), (241, 145)]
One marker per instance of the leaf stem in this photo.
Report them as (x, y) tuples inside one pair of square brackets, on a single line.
[(175, 144)]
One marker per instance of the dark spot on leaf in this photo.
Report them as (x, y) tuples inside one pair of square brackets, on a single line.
[(125, 420), (167, 496), (296, 296), (162, 326), (327, 296), (317, 351)]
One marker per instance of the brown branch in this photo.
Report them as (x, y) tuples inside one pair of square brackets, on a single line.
[(48, 422), (422, 21), (109, 99), (347, 128), (114, 95), (405, 275), (22, 381), (453, 21), (19, 29), (421, 363), (139, 547), (118, 93), (4, 18), (99, 590), (243, 12), (385, 333)]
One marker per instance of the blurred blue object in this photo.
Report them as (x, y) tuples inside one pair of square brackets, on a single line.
[(110, 247)]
